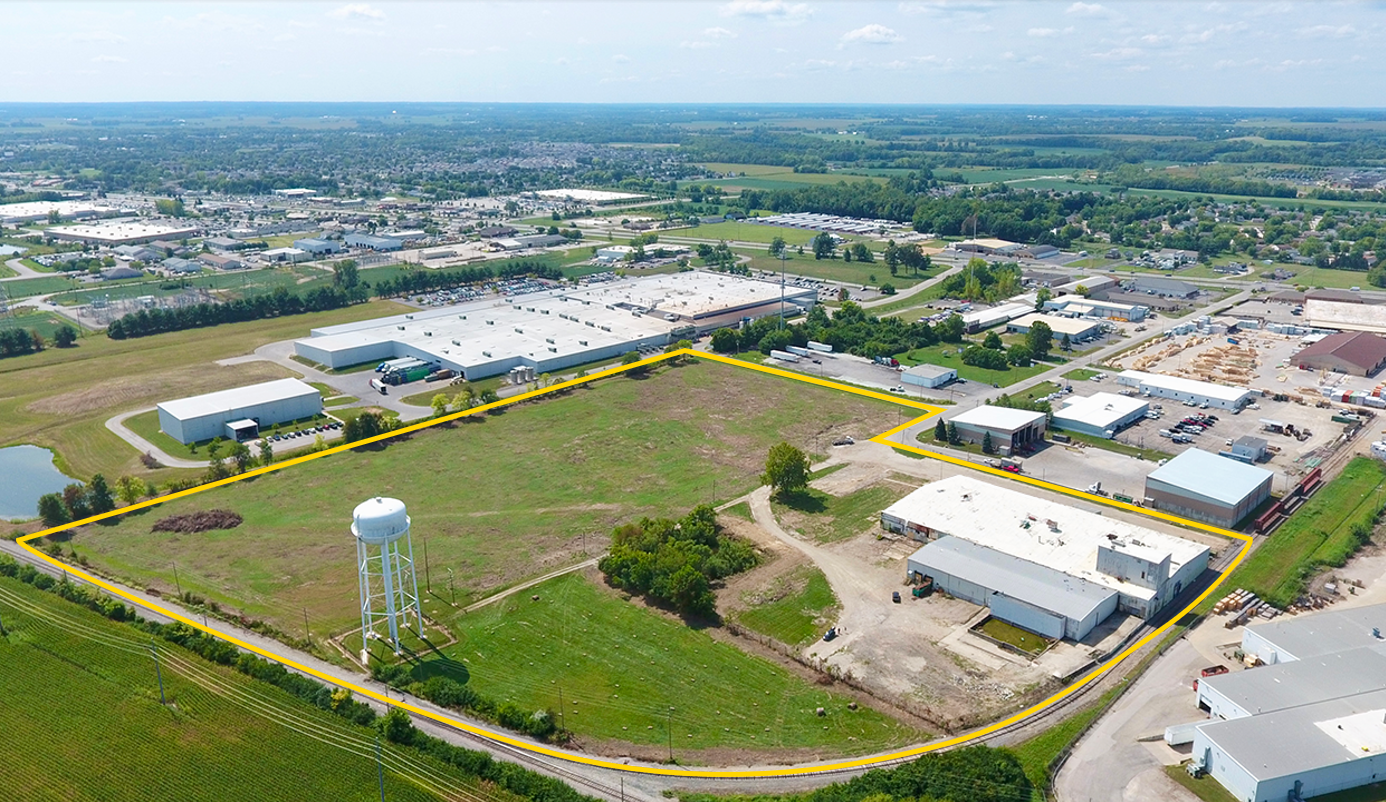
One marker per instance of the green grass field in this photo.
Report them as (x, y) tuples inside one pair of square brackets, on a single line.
[(82, 720), (826, 518), (61, 398), (804, 611), (1081, 374), (629, 674), (45, 323), (1210, 790), (946, 354), (1027, 642), (1318, 534), (871, 274), (498, 499), (1039, 752), (746, 231)]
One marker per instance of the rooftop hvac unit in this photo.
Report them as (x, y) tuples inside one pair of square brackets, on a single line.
[(548, 340), (529, 309), (543, 311), (455, 342), (401, 328), (428, 334), (582, 342), (486, 354), (590, 323), (553, 349), (519, 330), (490, 322), (462, 317), (409, 317)]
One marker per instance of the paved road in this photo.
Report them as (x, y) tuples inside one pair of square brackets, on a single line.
[(24, 271), (910, 291), (117, 426)]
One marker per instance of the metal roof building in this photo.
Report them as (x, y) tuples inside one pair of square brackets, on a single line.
[(205, 417), (1302, 637), (1029, 595), (1344, 316), (1077, 328), (1208, 488), (1008, 427), (1181, 389), (1100, 414), (927, 375), (1144, 567), (1357, 352)]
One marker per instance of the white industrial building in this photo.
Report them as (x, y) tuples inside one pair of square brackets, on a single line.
[(123, 232), (1345, 316), (1100, 414), (1008, 427), (1177, 388), (556, 329), (596, 197), (978, 319), (927, 375), (1310, 723), (1078, 329), (238, 413), (1205, 487), (1066, 569), (34, 211)]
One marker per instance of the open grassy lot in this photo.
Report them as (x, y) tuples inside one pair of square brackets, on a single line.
[(946, 354), (1080, 374), (746, 231), (826, 518), (629, 674), (498, 499), (1321, 533), (82, 720), (45, 323), (799, 608), (61, 398)]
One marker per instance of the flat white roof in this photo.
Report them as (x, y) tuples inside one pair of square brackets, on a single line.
[(236, 398), (1102, 410), (123, 231), (38, 210), (928, 371), (594, 195), (1003, 418), (996, 314), (1019, 524), (1072, 326), (1182, 385), (1341, 315)]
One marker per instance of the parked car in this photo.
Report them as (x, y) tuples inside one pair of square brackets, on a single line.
[(895, 597)]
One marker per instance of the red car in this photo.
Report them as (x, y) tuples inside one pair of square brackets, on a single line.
[(1011, 468)]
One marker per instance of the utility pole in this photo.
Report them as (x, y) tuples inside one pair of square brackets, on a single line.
[(782, 287), (306, 634), (451, 589), (154, 650), (176, 583), (669, 725)]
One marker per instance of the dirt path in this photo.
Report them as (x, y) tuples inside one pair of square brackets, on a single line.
[(531, 583)]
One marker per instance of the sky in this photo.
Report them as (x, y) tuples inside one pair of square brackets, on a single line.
[(1274, 54)]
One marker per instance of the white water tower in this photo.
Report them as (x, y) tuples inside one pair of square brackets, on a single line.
[(385, 570)]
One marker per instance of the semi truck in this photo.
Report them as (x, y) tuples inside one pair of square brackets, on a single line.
[(784, 356)]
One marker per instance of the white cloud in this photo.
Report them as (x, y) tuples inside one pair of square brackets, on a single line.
[(621, 58), (697, 45), (98, 36), (1044, 33), (109, 60), (1086, 9), (449, 51), (1154, 39), (1328, 31), (777, 11), (872, 34), (1138, 68), (357, 11), (1118, 54), (719, 33)]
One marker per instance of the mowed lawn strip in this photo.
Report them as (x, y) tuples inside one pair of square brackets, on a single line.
[(82, 720), (498, 500), (827, 519), (628, 673)]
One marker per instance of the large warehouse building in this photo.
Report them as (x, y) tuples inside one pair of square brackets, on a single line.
[(1356, 352), (238, 414), (556, 329), (1039, 564), (1181, 389), (1008, 427), (1100, 414), (1208, 488), (1344, 316), (1310, 723)]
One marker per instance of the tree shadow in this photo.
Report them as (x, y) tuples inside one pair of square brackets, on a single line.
[(441, 666), (804, 501)]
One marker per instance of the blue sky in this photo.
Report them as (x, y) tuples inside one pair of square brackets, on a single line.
[(749, 51)]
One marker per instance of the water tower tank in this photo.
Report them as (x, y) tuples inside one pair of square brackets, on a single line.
[(379, 520)]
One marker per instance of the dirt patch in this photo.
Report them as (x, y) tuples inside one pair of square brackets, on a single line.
[(126, 392), (202, 521)]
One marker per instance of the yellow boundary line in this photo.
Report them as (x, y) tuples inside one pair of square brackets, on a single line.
[(500, 737)]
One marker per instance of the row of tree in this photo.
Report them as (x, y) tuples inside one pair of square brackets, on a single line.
[(420, 280), (676, 562), (278, 303)]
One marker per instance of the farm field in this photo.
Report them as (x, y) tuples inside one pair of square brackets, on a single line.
[(498, 499), (629, 674), (1319, 534), (61, 398), (83, 721)]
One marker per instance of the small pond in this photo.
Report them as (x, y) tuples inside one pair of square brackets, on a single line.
[(27, 472)]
